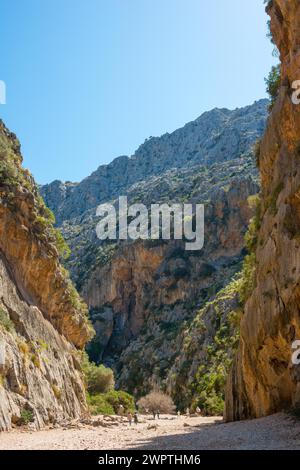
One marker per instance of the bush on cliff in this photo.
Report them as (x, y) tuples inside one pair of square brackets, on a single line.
[(273, 83)]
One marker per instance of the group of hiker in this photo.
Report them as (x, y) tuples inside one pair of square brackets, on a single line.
[(133, 417), (188, 412)]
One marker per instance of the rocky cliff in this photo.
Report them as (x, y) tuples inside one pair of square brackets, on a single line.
[(42, 318), (144, 296), (263, 379)]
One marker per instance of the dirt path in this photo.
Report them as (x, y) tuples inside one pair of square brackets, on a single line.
[(169, 433)]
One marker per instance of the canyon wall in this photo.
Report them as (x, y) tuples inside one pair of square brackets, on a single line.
[(43, 321), (263, 379)]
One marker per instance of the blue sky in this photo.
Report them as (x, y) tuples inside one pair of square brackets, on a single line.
[(88, 80)]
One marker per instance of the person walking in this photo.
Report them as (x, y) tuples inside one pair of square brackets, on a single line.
[(153, 413), (158, 412), (135, 417), (129, 417)]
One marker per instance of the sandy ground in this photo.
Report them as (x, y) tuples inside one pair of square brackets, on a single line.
[(169, 433)]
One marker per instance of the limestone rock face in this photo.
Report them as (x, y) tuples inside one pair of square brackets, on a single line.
[(38, 367), (216, 136), (145, 297), (263, 379), (42, 319)]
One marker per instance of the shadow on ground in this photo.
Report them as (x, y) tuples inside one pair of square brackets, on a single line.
[(277, 432)]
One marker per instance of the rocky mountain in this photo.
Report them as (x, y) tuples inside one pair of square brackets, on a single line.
[(215, 137), (263, 378), (144, 296), (43, 321)]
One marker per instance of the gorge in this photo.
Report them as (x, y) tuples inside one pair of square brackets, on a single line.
[(212, 328), (146, 297)]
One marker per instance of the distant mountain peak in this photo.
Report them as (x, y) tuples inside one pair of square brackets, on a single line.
[(215, 136)]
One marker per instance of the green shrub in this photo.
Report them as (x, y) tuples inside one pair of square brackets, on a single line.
[(214, 404), (248, 277), (251, 236), (273, 83), (108, 403), (8, 173), (5, 321), (99, 379), (75, 298), (26, 416), (98, 405), (118, 397), (48, 214), (61, 245)]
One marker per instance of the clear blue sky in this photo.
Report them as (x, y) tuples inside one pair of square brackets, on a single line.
[(88, 80)]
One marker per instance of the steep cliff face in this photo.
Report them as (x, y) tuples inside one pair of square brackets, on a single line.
[(263, 379), (42, 318), (197, 377)]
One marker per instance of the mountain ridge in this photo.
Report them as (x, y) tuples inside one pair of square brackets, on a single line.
[(217, 134)]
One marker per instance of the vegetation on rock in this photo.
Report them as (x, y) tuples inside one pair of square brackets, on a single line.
[(273, 83)]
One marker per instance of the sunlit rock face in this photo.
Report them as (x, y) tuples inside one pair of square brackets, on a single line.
[(263, 379), (40, 325)]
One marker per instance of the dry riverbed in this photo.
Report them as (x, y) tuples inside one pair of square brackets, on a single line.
[(168, 433)]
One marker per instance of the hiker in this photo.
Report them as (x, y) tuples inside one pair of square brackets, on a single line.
[(158, 412), (129, 416), (153, 413), (135, 417)]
